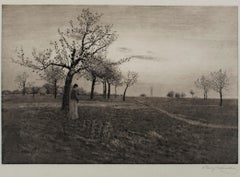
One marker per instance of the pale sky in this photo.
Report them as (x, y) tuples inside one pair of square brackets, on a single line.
[(172, 46)]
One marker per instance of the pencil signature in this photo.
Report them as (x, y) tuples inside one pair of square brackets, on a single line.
[(222, 168)]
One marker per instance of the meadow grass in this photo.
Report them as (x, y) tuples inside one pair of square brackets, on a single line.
[(116, 132)]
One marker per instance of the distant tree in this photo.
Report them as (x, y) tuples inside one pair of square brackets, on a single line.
[(104, 82), (143, 95), (49, 88), (53, 75), (103, 70), (109, 74), (170, 94), (117, 81), (33, 89), (130, 80), (60, 90), (113, 78), (94, 79), (28, 89), (177, 95), (42, 91), (6, 92), (219, 82), (21, 80), (17, 91), (204, 84), (182, 95), (192, 93), (94, 72)]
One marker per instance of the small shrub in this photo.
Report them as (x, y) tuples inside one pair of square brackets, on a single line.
[(182, 95), (192, 93), (170, 94), (143, 95), (177, 95)]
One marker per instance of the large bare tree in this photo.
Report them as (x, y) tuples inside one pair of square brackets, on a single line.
[(21, 80), (204, 84), (130, 80), (85, 38), (219, 82)]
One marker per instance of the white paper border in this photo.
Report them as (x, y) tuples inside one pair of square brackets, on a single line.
[(122, 170)]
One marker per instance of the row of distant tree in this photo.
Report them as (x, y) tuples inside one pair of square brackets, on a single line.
[(217, 81), (45, 89), (103, 72), (53, 76), (172, 94)]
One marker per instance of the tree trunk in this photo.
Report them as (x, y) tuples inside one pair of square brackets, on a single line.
[(109, 90), (66, 92), (220, 94), (115, 95), (104, 89), (124, 94), (24, 88), (92, 88), (205, 95), (55, 89), (33, 92)]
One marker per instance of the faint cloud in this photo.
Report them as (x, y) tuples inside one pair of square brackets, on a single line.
[(124, 49), (146, 57), (150, 52)]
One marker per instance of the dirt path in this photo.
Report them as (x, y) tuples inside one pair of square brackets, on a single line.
[(29, 105), (188, 121), (115, 105)]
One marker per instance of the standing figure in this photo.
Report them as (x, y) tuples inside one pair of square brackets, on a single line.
[(73, 109)]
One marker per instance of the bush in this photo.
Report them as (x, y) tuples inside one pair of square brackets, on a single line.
[(170, 94), (182, 95), (177, 95), (143, 95), (6, 92), (16, 92)]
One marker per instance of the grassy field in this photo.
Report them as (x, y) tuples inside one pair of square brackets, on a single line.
[(34, 130)]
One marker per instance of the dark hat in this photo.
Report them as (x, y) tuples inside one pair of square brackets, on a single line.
[(75, 85)]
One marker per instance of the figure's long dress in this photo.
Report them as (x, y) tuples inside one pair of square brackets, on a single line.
[(73, 109)]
